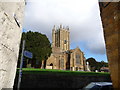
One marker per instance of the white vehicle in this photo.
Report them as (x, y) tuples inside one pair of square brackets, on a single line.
[(99, 86)]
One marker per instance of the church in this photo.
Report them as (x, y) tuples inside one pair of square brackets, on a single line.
[(62, 56)]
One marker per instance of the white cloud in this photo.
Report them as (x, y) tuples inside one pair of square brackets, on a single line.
[(82, 16)]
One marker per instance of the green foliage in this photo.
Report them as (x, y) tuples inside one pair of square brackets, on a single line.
[(96, 65), (38, 44)]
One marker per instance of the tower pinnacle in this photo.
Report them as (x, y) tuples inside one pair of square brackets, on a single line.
[(60, 25), (54, 28)]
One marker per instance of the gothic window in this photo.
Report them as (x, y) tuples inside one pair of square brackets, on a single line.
[(65, 41), (62, 63), (77, 59)]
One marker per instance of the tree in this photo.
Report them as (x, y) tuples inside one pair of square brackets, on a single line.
[(92, 63), (96, 65), (39, 45)]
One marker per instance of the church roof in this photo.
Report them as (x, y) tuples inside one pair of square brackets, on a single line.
[(77, 48)]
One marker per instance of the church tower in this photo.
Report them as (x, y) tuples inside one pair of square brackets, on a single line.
[(61, 38)]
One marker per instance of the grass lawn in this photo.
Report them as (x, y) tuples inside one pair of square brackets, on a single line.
[(64, 72)]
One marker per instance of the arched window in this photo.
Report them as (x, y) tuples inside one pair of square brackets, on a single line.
[(77, 59), (62, 63)]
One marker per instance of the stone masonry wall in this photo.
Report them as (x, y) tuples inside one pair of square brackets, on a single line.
[(11, 18), (58, 81), (110, 13)]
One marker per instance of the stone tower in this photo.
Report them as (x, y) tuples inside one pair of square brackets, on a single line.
[(61, 38)]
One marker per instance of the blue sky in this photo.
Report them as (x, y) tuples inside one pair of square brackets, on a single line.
[(82, 17)]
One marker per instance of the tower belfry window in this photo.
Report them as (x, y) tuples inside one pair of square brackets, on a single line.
[(65, 41)]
